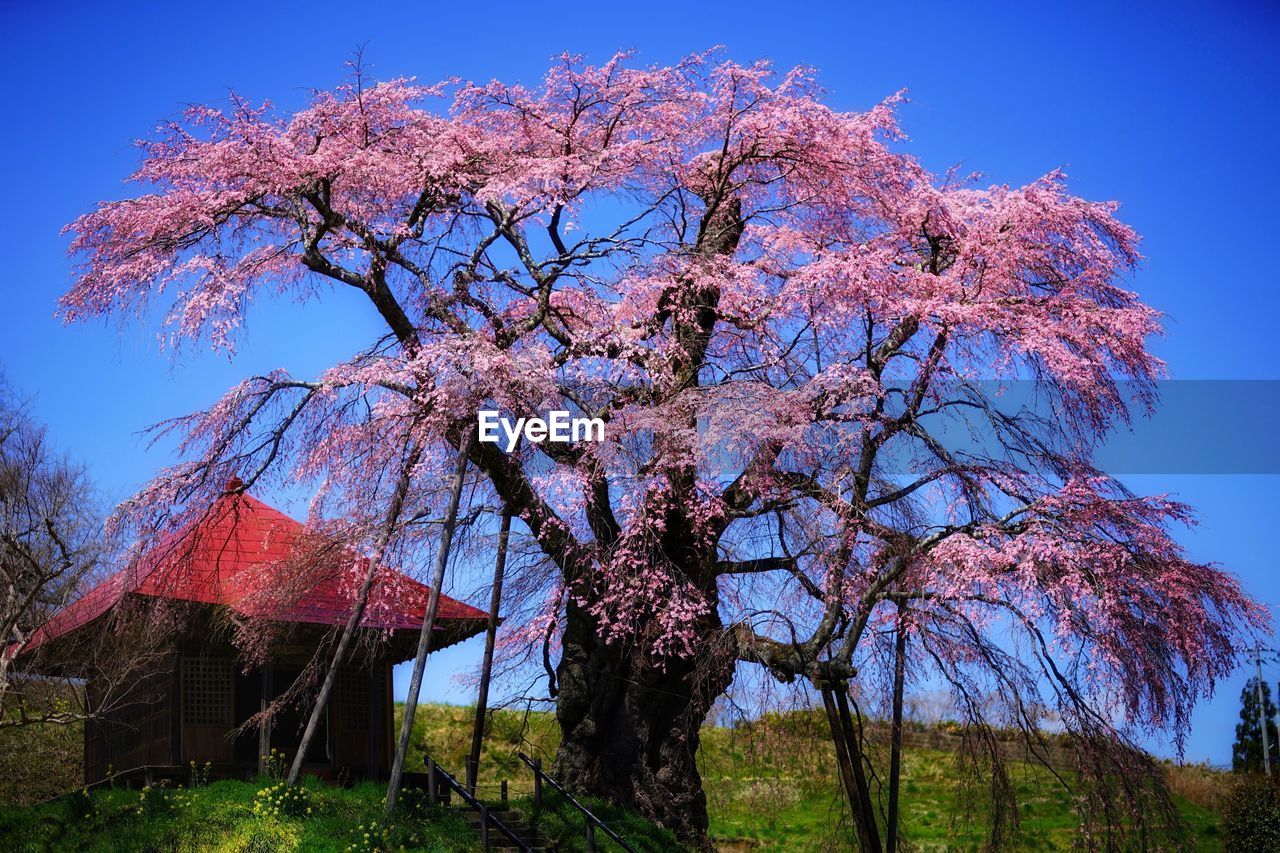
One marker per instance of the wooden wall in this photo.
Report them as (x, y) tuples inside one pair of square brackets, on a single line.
[(137, 729), (360, 721), (177, 717)]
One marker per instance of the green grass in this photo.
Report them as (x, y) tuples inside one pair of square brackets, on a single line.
[(221, 817), (805, 814), (771, 785)]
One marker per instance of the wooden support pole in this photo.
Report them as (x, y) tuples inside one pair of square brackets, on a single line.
[(486, 665), (895, 733), (429, 619), (842, 761), (321, 706), (853, 739), (849, 760)]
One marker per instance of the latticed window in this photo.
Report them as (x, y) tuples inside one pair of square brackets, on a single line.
[(353, 690), (206, 691)]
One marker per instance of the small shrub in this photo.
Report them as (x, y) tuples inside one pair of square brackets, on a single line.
[(199, 774), (282, 800), (82, 805), (769, 798), (155, 801), (1252, 819), (413, 803), (1199, 783), (276, 765), (345, 778), (372, 837)]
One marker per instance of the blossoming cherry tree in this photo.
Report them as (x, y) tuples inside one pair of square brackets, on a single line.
[(783, 319)]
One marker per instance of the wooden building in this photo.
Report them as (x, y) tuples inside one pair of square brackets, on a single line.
[(190, 706)]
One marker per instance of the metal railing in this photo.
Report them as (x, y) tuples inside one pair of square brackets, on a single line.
[(146, 772), (149, 775), (486, 817), (593, 822)]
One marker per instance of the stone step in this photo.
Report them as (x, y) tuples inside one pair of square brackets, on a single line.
[(516, 821), (512, 820), (505, 817), (504, 843), (529, 835), (523, 832), (519, 828), (497, 839), (509, 818)]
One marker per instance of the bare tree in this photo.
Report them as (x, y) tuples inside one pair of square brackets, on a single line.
[(50, 535), (52, 544)]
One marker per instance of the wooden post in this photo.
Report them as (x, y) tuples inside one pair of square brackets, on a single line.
[(175, 719), (377, 726), (486, 666), (431, 782), (591, 836), (264, 731), (537, 783), (429, 618), (484, 827), (895, 733), (504, 792)]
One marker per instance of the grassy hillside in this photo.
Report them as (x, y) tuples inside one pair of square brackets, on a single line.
[(39, 763), (771, 785)]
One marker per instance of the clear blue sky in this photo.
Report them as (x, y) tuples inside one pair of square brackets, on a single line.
[(1170, 107)]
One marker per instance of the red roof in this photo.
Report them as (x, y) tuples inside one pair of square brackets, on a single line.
[(235, 556)]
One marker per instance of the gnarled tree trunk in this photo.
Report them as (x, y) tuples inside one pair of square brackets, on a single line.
[(630, 725)]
